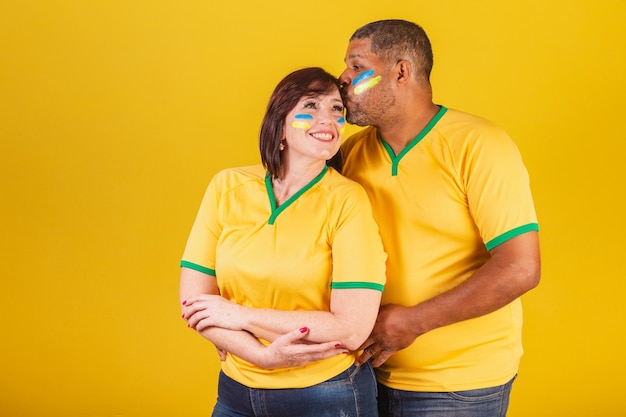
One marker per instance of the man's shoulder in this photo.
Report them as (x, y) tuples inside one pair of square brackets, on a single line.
[(456, 119), (461, 130), (358, 138)]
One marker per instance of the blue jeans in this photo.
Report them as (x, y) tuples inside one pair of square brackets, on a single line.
[(486, 402), (352, 393)]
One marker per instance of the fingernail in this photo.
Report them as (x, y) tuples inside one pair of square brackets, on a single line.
[(185, 302), (338, 344), (304, 330)]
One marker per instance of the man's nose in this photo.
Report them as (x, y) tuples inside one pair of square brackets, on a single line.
[(344, 81)]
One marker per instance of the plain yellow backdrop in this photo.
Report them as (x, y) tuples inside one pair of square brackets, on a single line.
[(114, 115)]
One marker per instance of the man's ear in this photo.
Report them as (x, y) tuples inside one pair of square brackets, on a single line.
[(403, 71)]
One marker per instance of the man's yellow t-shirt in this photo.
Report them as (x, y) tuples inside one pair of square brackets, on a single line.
[(286, 257), (456, 191)]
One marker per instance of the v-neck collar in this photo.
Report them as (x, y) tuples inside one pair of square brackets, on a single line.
[(276, 209), (395, 159)]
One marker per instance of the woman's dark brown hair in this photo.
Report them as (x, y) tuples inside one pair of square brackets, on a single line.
[(306, 82)]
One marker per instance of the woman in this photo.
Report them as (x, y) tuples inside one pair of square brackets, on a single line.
[(289, 244)]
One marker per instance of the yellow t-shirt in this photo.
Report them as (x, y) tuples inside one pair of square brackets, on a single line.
[(456, 191), (288, 257)]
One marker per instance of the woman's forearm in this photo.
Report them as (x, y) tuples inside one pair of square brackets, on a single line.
[(285, 352), (237, 342), (352, 316), (350, 319)]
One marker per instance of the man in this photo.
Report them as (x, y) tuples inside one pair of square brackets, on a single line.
[(452, 200)]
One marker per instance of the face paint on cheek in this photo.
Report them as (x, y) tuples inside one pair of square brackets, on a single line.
[(342, 122), (364, 82), (362, 76), (366, 85), (299, 123)]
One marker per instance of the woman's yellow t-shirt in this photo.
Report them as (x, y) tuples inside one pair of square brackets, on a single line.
[(289, 257)]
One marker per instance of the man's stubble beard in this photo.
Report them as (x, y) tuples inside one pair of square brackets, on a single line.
[(371, 110)]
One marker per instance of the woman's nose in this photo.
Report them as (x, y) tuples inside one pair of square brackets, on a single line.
[(324, 116)]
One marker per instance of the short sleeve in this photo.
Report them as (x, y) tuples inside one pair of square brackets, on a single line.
[(498, 186), (199, 253), (357, 250)]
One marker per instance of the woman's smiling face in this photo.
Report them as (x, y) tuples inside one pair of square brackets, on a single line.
[(314, 127)]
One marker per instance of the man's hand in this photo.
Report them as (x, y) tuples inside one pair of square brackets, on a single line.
[(390, 335)]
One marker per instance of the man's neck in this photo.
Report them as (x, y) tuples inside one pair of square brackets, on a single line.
[(407, 126)]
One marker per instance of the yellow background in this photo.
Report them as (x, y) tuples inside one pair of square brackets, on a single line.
[(115, 114)]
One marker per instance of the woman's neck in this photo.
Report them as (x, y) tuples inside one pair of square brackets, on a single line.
[(294, 179)]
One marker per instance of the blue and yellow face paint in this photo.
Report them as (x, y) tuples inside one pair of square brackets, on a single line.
[(300, 122), (365, 81)]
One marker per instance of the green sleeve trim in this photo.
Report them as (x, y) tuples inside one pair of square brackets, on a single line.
[(511, 234), (357, 284), (196, 267)]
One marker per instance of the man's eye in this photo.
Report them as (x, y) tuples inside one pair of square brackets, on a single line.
[(356, 67)]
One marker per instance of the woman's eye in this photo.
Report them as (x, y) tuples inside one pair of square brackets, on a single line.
[(309, 105), (338, 108)]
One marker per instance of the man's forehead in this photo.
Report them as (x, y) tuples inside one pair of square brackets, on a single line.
[(358, 48)]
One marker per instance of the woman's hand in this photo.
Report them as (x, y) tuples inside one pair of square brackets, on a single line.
[(289, 350), (207, 310)]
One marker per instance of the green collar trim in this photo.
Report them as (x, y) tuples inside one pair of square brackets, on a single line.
[(395, 160), (276, 209)]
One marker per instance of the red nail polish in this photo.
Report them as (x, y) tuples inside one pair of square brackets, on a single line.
[(304, 330), (185, 302), (338, 345)]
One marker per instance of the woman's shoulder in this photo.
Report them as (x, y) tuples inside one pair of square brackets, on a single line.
[(229, 179), (250, 172), (341, 185)]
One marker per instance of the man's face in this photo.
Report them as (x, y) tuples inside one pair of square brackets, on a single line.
[(366, 92)]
